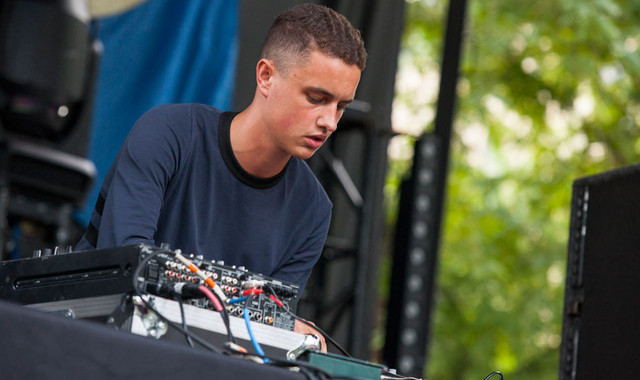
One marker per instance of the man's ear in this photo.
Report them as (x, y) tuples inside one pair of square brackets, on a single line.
[(265, 70)]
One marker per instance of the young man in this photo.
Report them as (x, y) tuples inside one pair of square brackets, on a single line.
[(234, 187)]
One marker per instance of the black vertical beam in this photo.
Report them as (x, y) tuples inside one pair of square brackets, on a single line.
[(449, 79), (420, 219), (445, 111), (4, 200), (444, 124), (444, 120), (381, 24)]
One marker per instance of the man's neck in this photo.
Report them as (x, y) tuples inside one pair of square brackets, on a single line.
[(252, 149)]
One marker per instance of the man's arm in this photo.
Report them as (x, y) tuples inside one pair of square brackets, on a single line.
[(140, 175), (298, 268)]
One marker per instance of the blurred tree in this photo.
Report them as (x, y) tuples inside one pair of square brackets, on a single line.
[(549, 91)]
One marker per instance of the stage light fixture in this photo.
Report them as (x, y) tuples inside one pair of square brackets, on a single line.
[(47, 52)]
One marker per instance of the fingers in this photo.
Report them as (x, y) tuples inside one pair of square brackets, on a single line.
[(303, 328)]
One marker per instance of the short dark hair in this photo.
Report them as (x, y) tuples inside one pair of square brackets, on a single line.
[(306, 27)]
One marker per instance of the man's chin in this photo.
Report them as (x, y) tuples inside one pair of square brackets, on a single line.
[(304, 154)]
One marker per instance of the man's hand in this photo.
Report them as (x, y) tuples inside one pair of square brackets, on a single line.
[(302, 328)]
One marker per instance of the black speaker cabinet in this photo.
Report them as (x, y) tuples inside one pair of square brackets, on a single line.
[(601, 322)]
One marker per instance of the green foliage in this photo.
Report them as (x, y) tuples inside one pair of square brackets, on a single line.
[(549, 91)]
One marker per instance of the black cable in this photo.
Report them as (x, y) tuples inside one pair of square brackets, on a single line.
[(324, 334), (188, 290), (225, 319), (142, 264), (138, 292), (320, 372), (388, 375), (184, 322), (494, 373), (224, 314), (307, 374), (177, 327), (305, 368)]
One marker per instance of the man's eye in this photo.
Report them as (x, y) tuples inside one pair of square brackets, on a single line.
[(313, 100)]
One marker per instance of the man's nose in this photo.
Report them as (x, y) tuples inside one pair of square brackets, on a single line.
[(329, 119)]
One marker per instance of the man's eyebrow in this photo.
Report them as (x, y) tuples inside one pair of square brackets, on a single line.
[(326, 93)]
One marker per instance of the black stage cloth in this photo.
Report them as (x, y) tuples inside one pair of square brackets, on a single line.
[(38, 345)]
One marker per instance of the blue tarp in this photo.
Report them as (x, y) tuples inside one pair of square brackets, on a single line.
[(161, 51)]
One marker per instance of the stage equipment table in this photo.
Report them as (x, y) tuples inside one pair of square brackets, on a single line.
[(39, 345)]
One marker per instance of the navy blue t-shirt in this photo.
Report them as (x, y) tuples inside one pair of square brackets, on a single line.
[(176, 181)]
